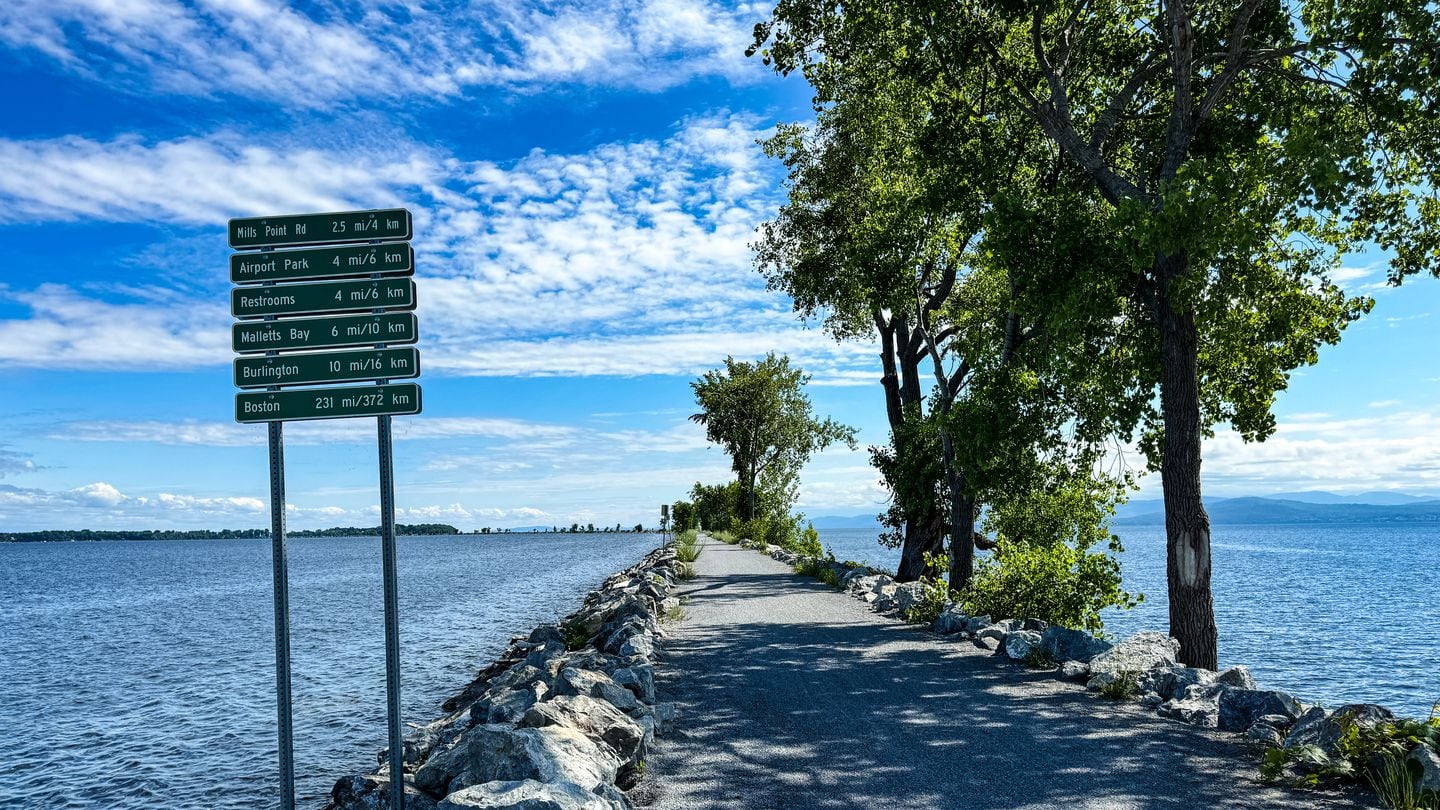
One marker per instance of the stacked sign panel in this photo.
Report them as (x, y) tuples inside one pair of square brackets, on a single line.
[(362, 293)]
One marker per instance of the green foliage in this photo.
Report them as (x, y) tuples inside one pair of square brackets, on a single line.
[(935, 594), (1055, 582), (760, 415), (716, 505), (685, 570), (1377, 754), (687, 547), (808, 543), (1122, 687), (1039, 658), (574, 635), (683, 515), (725, 537)]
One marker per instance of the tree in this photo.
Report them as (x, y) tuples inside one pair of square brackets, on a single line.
[(1243, 149), (760, 415), (682, 514)]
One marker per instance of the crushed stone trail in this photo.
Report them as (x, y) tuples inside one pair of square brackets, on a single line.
[(793, 695)]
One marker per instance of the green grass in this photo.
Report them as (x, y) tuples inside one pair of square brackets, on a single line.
[(685, 570), (574, 635), (1039, 658), (1123, 687), (687, 547)]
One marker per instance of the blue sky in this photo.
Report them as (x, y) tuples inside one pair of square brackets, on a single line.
[(584, 179)]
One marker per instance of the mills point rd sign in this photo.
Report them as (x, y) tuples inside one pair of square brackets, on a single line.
[(324, 333), (326, 296), (331, 262), (389, 224), (399, 399)]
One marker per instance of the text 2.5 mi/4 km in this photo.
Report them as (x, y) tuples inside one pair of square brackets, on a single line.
[(389, 224)]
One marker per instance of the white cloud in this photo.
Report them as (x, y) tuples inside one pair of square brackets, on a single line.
[(12, 461), (259, 49), (1400, 450), (227, 434), (629, 259)]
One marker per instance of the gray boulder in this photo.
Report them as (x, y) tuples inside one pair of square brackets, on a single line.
[(639, 679), (506, 705), (1065, 644), (1242, 708), (1139, 653), (908, 596), (1280, 721), (595, 719), (498, 752), (951, 620), (977, 623), (527, 794), (1427, 762), (593, 684), (1238, 677), (1074, 671), (1316, 727), (1020, 643), (370, 792), (1264, 734), (998, 630), (1197, 705), (1170, 682)]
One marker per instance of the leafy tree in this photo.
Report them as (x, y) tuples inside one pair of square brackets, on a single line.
[(716, 505), (682, 513), (1243, 149), (760, 415)]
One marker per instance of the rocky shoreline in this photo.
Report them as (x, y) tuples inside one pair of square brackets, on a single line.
[(1143, 667), (563, 720)]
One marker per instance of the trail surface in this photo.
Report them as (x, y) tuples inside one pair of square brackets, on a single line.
[(792, 695)]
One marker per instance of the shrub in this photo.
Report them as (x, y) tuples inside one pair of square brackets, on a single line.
[(1039, 658), (687, 547), (685, 570), (935, 595), (574, 635), (1055, 582), (1124, 687), (807, 542)]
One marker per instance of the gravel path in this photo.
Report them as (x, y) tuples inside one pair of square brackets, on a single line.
[(792, 695)]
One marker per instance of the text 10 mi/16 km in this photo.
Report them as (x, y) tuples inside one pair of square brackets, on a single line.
[(266, 289)]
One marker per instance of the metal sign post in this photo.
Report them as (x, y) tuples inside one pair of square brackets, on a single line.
[(267, 294), (281, 571)]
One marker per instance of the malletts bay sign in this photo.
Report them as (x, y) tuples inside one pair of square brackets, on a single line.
[(276, 314)]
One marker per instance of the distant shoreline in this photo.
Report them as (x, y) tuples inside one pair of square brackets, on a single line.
[(160, 535)]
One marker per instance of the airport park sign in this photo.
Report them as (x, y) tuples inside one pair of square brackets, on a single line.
[(332, 305)]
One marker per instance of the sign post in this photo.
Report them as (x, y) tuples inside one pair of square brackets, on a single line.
[(280, 308)]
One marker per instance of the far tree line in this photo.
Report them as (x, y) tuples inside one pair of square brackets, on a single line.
[(1076, 230)]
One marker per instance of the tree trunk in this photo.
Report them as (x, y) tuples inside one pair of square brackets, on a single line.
[(962, 519), (900, 359), (1187, 527)]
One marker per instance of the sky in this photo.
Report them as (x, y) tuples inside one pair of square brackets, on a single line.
[(585, 182)]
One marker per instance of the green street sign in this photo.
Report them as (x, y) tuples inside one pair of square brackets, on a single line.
[(324, 333), (332, 262), (364, 365), (390, 224), (325, 296), (327, 403)]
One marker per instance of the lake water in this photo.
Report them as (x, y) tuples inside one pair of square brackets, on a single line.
[(1331, 613), (141, 675)]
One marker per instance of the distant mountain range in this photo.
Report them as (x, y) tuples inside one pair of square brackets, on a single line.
[(1296, 507), (1284, 507)]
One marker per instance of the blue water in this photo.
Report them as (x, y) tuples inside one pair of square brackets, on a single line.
[(1331, 613), (141, 675)]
